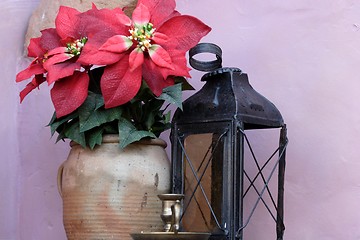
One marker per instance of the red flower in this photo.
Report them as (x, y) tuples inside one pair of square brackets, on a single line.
[(151, 47), (36, 49), (56, 55), (70, 78), (81, 33)]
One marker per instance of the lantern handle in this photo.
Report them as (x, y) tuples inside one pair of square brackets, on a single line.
[(206, 66)]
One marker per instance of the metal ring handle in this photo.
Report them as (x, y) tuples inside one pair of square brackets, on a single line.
[(205, 48)]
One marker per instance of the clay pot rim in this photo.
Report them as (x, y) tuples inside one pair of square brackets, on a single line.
[(114, 138)]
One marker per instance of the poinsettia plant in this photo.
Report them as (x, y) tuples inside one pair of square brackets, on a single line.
[(113, 74)]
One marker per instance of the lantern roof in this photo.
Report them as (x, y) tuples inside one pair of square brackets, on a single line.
[(227, 95)]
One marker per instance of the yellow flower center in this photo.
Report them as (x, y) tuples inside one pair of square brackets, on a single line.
[(76, 46), (142, 35)]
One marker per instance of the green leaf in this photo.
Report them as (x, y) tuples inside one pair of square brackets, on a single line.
[(72, 131), (135, 109), (144, 116), (61, 136), (144, 93), (151, 112), (167, 117), (173, 94), (111, 128), (185, 84), (94, 137), (56, 123), (160, 127), (91, 113), (162, 123), (129, 134), (149, 119), (52, 120)]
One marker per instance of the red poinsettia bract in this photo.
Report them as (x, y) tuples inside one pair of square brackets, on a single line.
[(36, 50), (57, 52), (151, 47)]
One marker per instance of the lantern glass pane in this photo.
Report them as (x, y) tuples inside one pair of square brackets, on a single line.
[(260, 182), (203, 182)]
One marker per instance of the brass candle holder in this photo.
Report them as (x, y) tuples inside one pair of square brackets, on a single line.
[(170, 215), (171, 211)]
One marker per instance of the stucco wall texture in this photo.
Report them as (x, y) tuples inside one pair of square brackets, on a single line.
[(303, 55)]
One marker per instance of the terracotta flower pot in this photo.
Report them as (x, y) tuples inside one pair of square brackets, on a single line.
[(108, 192)]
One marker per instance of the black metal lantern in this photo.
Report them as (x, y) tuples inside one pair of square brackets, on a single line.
[(209, 144)]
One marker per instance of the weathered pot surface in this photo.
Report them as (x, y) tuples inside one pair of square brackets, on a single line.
[(108, 192)]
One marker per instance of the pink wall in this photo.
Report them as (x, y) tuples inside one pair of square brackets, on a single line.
[(303, 55), (30, 206)]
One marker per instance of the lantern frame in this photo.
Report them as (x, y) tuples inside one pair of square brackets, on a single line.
[(212, 110)]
